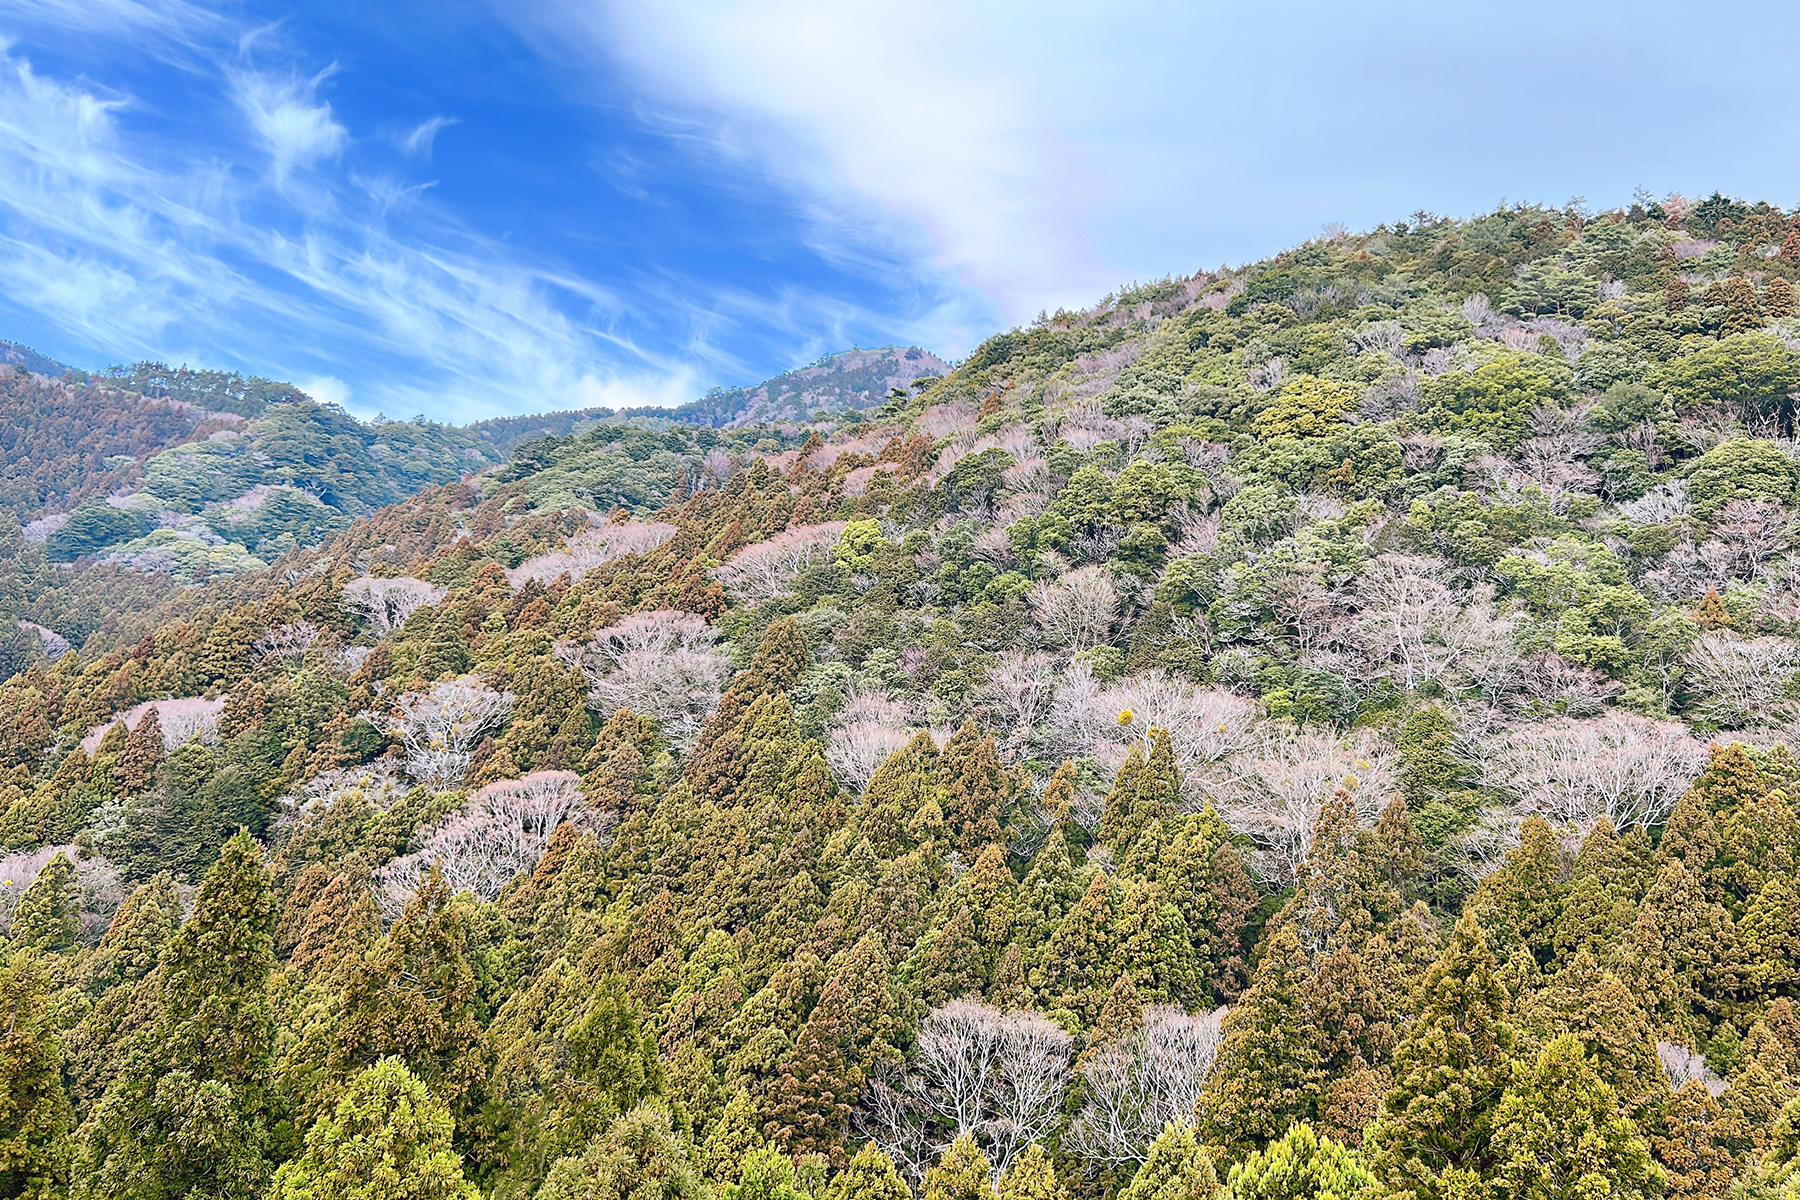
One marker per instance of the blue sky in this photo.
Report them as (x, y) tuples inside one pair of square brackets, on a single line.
[(466, 209)]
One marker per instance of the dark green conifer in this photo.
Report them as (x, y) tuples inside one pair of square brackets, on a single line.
[(186, 1113), (49, 913), (1434, 1138), (973, 788), (34, 1109)]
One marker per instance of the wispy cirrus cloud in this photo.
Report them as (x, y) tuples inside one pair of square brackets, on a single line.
[(127, 253), (295, 127)]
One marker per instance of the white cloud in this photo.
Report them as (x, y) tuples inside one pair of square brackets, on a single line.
[(923, 128), (419, 140), (295, 127), (326, 389), (650, 391)]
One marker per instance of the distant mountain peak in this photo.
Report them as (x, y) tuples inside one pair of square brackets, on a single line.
[(847, 380), (31, 360)]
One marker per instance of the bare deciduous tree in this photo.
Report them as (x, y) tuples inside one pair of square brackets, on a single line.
[(1682, 1066), (590, 548), (662, 665), (1406, 619), (997, 1077), (499, 833), (866, 731), (1750, 532), (286, 641), (1275, 794), (769, 568), (1077, 610), (441, 726), (386, 603), (1741, 680), (1020, 686), (1149, 1079), (1204, 726), (1624, 768)]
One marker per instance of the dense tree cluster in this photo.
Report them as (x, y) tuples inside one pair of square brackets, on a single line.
[(1312, 730)]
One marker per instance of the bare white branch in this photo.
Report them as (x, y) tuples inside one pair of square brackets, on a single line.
[(769, 568), (1149, 1079), (386, 603), (662, 665), (441, 727)]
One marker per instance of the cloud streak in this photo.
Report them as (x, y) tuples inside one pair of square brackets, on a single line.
[(294, 126)]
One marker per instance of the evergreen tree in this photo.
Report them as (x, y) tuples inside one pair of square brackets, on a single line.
[(869, 1176), (993, 898), (1590, 1002), (137, 934), (1742, 311), (1778, 1175), (1521, 902), (1686, 1141), (34, 1109), (1178, 1168), (963, 1173), (1301, 1166), (1778, 297), (1075, 971), (895, 792), (339, 925), (388, 1139), (765, 1174), (49, 913), (1050, 890), (141, 754), (1032, 1176), (1558, 1135), (731, 1137), (952, 965), (1269, 1073), (640, 1157), (1152, 944), (413, 997), (1434, 1136), (816, 1088), (1147, 788), (973, 788), (186, 1113), (1008, 989)]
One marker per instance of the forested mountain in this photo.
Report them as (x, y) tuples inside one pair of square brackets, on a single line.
[(30, 359), (1313, 729), (851, 380)]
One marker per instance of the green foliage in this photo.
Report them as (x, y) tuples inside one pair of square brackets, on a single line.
[(48, 916), (1493, 401), (1301, 1166), (1361, 508), (963, 1173), (1558, 1134), (1178, 1168), (188, 1110), (388, 1139), (641, 1157), (34, 1110), (1741, 469), (1749, 374)]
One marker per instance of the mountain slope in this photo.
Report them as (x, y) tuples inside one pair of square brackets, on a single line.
[(30, 359), (854, 379), (1396, 641)]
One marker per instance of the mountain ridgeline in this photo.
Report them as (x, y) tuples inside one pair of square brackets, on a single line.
[(1313, 729)]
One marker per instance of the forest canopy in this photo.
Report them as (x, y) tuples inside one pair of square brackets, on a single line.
[(1317, 728)]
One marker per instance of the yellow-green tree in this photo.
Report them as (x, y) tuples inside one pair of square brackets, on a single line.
[(388, 1139)]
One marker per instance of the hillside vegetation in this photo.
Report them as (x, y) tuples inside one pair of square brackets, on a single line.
[(1318, 729)]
